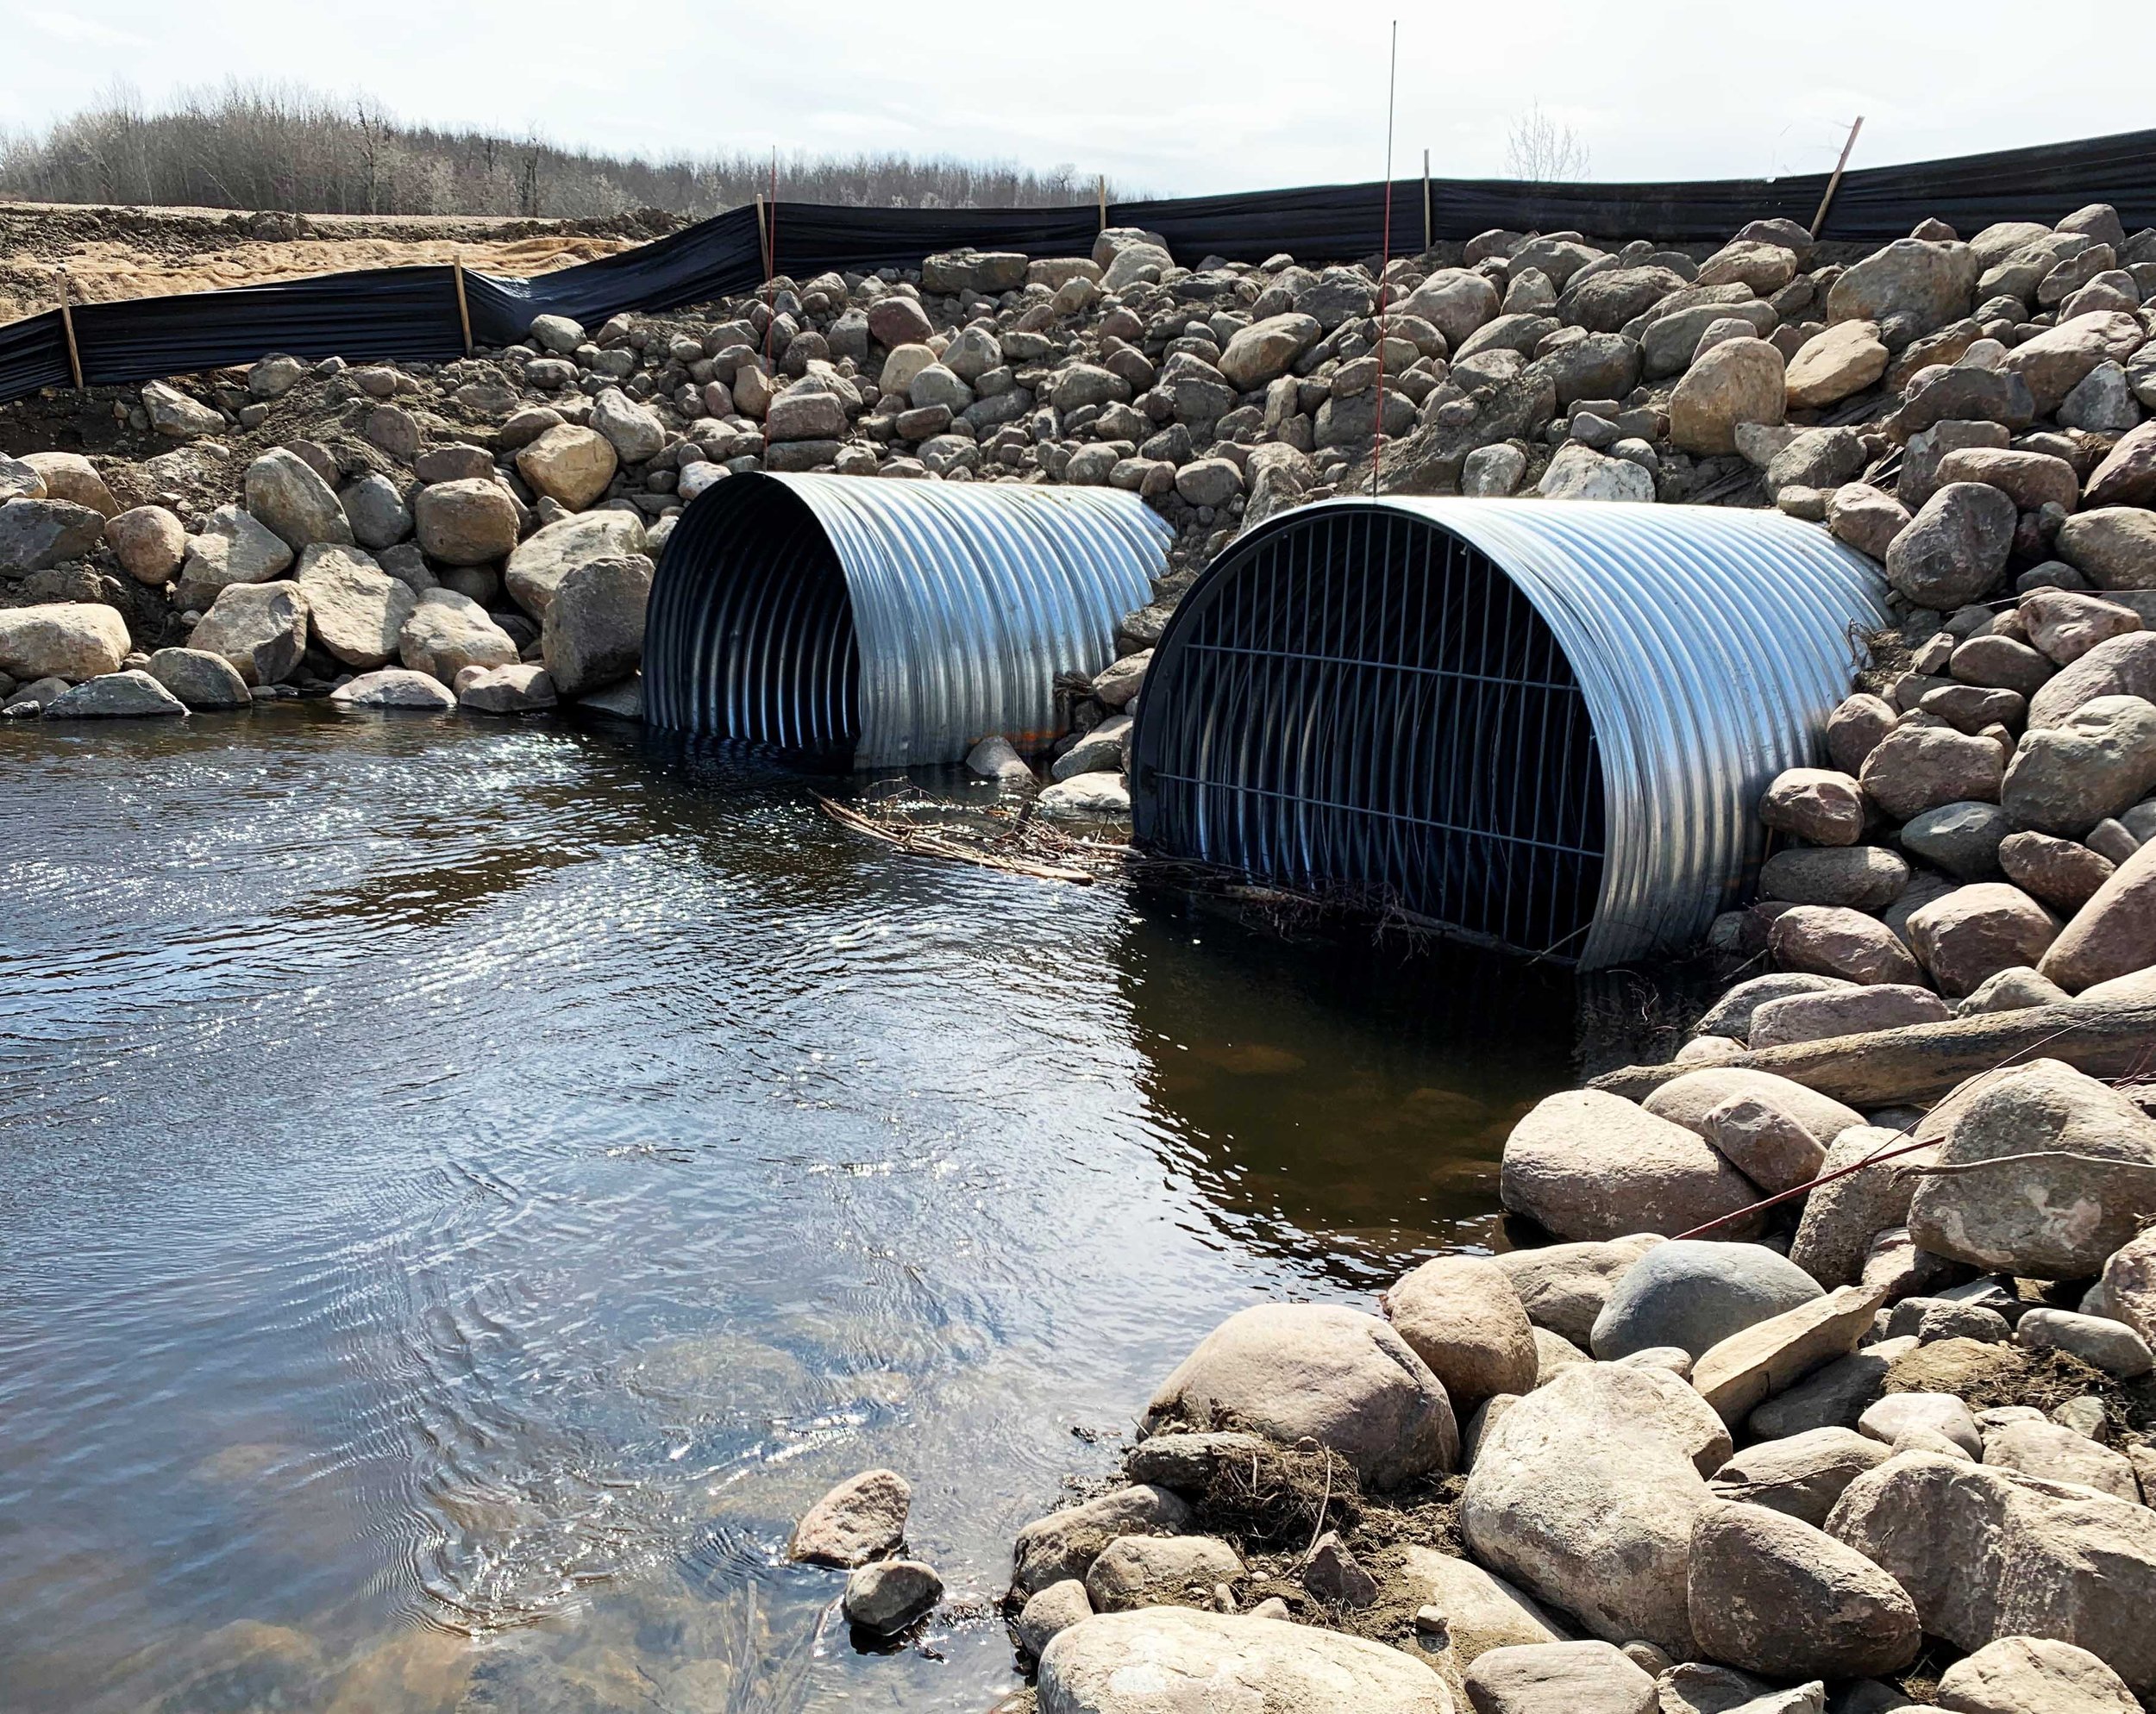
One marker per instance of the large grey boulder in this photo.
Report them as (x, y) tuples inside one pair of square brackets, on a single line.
[(200, 677), (287, 497), (1479, 1612), (399, 687), (1586, 1164), (356, 610), (535, 571), (1968, 935), (71, 640), (1762, 1141), (888, 1595), (1688, 1100), (2059, 1454), (1580, 1678), (1738, 381), (1955, 549), (1854, 1011), (1857, 877), (1801, 1474), (1267, 349), (2129, 1286), (2033, 1675), (2114, 934), (1835, 364), (569, 463), (2098, 761), (1769, 1356), (2097, 1340), (2045, 1172), (861, 1519), (448, 632), (150, 541), (1770, 1594), (1692, 1294), (1841, 1219), (592, 633), (172, 413), (2057, 360), (1831, 941), (38, 533), (1054, 1609), (260, 627), (233, 549), (1562, 1287), (1461, 1315), (115, 696), (1835, 1396), (2058, 1560), (1323, 1372), (1911, 288), (634, 430), (1583, 1493), (1455, 301), (1170, 1659), (1064, 1544), (1160, 1570), (469, 521), (1579, 472), (1733, 1013)]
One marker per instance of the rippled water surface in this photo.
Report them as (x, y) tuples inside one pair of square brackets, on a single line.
[(464, 1188)]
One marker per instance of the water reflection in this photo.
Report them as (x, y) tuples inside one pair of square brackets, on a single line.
[(1343, 1105), (466, 1188)]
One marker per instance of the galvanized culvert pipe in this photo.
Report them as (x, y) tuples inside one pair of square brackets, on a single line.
[(891, 622), (1537, 726)]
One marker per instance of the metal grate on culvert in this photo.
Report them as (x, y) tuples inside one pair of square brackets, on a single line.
[(1539, 727), (886, 622)]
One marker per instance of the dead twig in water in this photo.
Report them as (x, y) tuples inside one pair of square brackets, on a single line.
[(918, 842)]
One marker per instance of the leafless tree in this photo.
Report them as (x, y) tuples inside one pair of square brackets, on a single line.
[(292, 149), (1540, 150)]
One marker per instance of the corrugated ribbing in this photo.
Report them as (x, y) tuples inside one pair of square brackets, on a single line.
[(1540, 726), (901, 621)]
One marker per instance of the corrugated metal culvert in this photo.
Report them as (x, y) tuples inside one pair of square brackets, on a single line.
[(1536, 725), (894, 622)]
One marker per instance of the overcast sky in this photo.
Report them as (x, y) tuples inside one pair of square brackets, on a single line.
[(1170, 99)]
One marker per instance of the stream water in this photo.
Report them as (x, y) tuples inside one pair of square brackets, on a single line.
[(464, 1188)]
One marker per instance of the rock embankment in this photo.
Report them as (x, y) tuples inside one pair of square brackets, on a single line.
[(1968, 413)]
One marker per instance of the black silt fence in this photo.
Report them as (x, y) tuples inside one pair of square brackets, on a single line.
[(411, 312)]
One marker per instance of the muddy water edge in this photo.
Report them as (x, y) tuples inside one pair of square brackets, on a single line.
[(467, 1187)]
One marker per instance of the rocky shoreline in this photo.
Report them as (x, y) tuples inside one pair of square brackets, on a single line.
[(1828, 1386)]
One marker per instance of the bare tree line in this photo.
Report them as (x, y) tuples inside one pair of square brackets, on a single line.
[(1543, 152), (295, 150)]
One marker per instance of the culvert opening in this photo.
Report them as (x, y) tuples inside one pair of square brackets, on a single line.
[(1357, 701), (750, 633), (889, 624)]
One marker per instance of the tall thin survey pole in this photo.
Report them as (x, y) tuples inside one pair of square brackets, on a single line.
[(1384, 259)]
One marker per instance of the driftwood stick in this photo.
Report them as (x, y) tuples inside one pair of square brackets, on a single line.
[(1922, 1061)]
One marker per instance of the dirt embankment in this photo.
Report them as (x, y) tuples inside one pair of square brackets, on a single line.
[(115, 253)]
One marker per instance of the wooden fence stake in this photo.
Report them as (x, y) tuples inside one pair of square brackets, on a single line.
[(464, 308), (763, 239), (67, 327), (1834, 182), (1102, 188), (1426, 239)]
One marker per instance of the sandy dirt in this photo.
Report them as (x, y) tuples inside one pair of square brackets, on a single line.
[(116, 252)]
